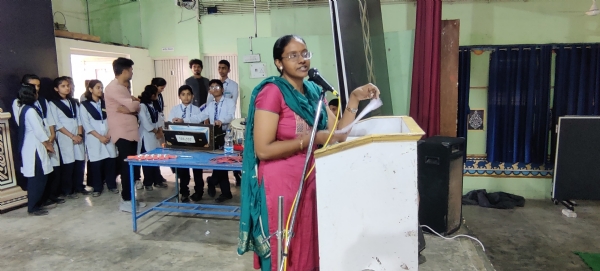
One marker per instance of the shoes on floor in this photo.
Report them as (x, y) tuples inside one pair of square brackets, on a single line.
[(125, 206), (85, 192), (39, 213), (422, 259), (96, 194), (72, 196), (196, 197), (211, 190), (185, 199), (222, 198), (58, 200), (114, 191), (139, 185), (148, 188), (49, 205), (161, 185)]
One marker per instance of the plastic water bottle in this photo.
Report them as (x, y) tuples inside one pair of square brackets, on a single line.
[(228, 147)]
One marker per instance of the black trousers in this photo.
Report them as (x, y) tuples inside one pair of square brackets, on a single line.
[(36, 186), (52, 185), (151, 174), (72, 177), (103, 168), (125, 148), (184, 181), (221, 177)]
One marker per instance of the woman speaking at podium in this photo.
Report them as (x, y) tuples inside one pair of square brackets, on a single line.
[(277, 136)]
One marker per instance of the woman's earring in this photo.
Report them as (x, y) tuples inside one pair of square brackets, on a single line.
[(281, 68)]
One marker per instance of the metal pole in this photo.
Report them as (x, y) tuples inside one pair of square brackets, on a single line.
[(255, 22), (280, 231), (290, 232), (87, 10)]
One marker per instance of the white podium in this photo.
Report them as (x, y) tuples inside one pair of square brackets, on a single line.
[(367, 197), (11, 195)]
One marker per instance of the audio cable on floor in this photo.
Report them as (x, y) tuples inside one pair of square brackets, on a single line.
[(451, 238)]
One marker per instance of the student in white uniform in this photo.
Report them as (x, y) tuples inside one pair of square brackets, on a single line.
[(102, 153), (230, 87), (230, 91), (150, 134), (219, 113), (70, 139), (159, 104), (51, 193), (186, 112), (34, 144)]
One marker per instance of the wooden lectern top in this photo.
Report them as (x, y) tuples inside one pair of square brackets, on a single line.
[(377, 129)]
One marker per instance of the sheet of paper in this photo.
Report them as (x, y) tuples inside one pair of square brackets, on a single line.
[(374, 104)]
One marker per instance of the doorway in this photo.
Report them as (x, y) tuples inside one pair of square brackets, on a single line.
[(174, 71), (85, 67)]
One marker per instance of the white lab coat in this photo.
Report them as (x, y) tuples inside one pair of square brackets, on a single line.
[(192, 113), (68, 150), (96, 150), (35, 134), (49, 121), (146, 126)]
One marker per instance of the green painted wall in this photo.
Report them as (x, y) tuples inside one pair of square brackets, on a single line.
[(164, 25), (116, 21), (219, 34), (320, 46), (399, 46), (74, 15)]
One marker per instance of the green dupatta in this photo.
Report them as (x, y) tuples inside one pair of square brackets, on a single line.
[(254, 221)]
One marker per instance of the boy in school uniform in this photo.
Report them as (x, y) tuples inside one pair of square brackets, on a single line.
[(70, 138), (230, 91), (34, 145), (187, 112), (219, 113)]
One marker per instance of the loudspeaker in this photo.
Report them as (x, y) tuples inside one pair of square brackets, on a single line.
[(440, 166)]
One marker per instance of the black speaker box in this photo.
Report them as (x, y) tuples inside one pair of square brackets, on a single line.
[(440, 166)]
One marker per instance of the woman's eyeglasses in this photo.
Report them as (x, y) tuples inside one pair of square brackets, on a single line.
[(295, 56)]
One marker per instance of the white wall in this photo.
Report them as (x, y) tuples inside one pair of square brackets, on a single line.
[(143, 69)]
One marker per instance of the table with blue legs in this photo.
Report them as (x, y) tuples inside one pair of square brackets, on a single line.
[(185, 159)]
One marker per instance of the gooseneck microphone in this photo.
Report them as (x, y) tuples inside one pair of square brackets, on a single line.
[(315, 76)]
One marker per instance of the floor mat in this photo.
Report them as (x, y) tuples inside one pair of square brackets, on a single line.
[(591, 259)]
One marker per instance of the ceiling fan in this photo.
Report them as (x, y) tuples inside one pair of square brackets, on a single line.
[(593, 9)]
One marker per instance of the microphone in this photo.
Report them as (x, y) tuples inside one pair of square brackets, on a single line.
[(315, 76)]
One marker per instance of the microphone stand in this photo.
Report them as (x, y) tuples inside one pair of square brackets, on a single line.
[(300, 189)]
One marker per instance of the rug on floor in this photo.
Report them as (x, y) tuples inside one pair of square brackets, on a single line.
[(591, 259)]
